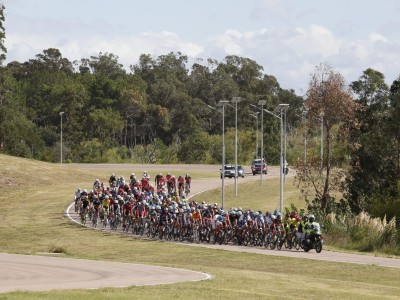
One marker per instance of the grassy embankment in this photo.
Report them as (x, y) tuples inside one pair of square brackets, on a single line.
[(33, 196)]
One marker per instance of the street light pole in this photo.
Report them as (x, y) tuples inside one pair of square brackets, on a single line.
[(236, 100), (61, 138), (284, 153), (304, 113), (255, 115), (282, 107), (322, 140), (222, 103), (262, 103)]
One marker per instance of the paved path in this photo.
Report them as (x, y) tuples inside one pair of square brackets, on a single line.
[(199, 186), (41, 273)]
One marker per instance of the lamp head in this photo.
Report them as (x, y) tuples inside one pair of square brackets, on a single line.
[(262, 102)]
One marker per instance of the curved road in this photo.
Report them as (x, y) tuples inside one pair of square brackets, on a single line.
[(199, 186), (39, 273)]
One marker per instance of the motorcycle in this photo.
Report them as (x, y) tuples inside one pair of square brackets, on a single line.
[(285, 168), (314, 240)]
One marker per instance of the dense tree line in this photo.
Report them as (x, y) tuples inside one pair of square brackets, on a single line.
[(157, 112)]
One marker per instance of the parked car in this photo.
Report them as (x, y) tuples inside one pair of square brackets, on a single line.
[(230, 171), (257, 166)]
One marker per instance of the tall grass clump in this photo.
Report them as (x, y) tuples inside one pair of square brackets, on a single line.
[(362, 232)]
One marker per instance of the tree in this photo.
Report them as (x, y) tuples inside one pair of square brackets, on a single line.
[(329, 98), (372, 184), (3, 49), (394, 119), (105, 64), (104, 125)]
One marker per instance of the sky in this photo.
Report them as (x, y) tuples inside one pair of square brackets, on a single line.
[(288, 38)]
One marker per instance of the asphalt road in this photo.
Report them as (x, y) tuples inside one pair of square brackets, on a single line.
[(199, 186), (39, 273)]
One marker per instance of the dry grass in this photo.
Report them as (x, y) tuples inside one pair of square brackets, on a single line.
[(35, 224)]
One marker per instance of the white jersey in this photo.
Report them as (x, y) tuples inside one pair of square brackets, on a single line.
[(268, 220), (77, 195), (215, 222)]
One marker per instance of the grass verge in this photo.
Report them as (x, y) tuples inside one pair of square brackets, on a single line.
[(31, 210)]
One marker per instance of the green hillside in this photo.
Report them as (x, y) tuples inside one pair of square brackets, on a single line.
[(32, 201)]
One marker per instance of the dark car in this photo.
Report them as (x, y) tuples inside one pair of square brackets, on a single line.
[(257, 166), (230, 171)]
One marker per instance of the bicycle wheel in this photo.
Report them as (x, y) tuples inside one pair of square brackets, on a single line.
[(196, 235)]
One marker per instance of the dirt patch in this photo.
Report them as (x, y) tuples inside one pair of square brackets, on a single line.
[(8, 182)]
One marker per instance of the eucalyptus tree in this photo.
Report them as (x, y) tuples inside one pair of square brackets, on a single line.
[(329, 102), (372, 184), (17, 134), (394, 120)]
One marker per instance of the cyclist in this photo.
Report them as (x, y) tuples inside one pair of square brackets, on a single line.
[(196, 216), (96, 205), (77, 198), (127, 209), (105, 203), (171, 184), (96, 185), (111, 179), (156, 178), (145, 183), (188, 180), (159, 182), (85, 204), (181, 181), (146, 175)]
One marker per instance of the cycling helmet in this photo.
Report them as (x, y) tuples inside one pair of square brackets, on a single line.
[(239, 213), (239, 209), (219, 218)]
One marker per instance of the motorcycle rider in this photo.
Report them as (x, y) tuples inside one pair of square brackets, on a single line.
[(285, 168), (311, 226)]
